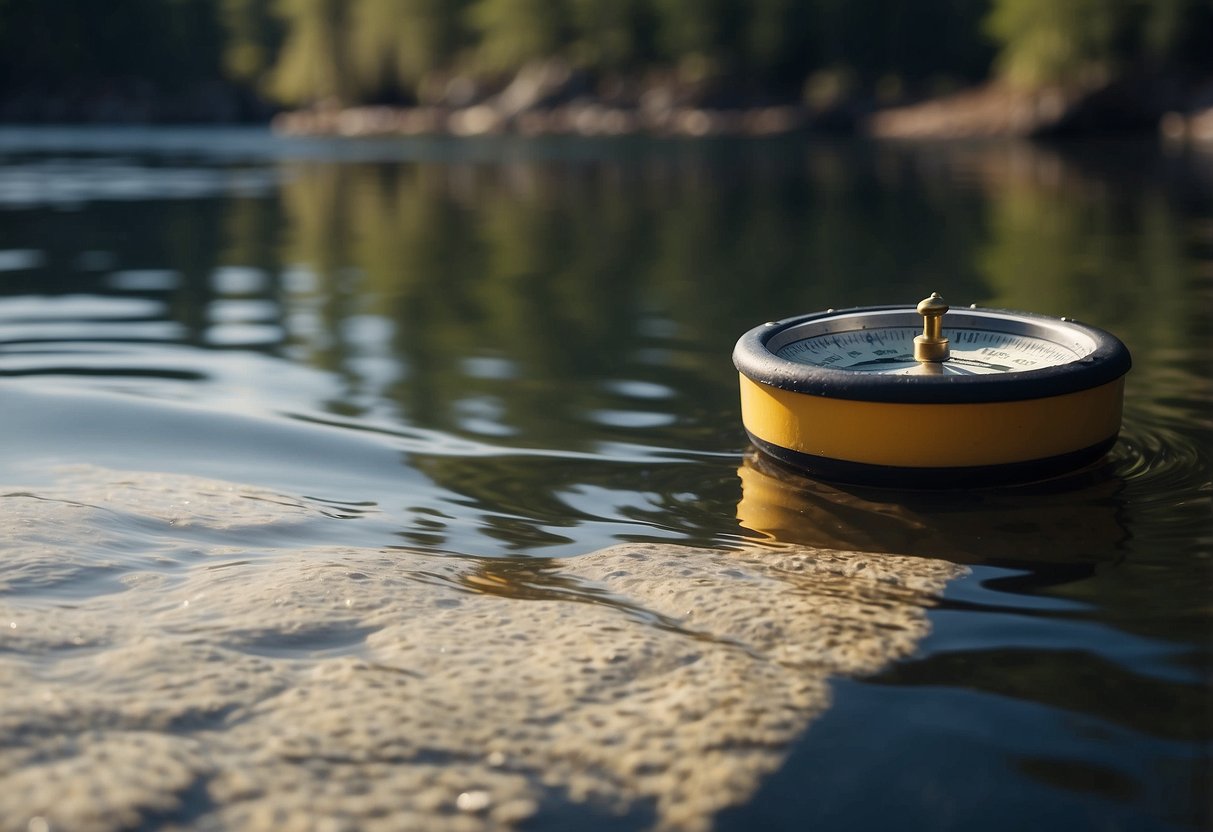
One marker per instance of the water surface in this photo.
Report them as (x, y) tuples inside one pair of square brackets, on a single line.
[(413, 470)]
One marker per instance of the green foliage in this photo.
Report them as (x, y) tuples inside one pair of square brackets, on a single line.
[(1049, 42), (253, 36), (394, 43), (352, 51), (314, 62), (1045, 41), (513, 32), (688, 28), (767, 39), (611, 34)]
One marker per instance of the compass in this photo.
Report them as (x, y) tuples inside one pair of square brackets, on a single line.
[(925, 395)]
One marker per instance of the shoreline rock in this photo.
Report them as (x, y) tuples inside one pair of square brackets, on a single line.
[(580, 118), (549, 99), (1129, 106)]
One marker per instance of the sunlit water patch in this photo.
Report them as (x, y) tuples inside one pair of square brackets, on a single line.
[(205, 632)]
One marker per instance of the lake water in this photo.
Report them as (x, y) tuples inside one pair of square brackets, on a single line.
[(401, 484)]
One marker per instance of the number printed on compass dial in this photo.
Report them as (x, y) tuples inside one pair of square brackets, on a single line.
[(890, 350)]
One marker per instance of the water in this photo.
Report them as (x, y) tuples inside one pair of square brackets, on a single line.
[(377, 484)]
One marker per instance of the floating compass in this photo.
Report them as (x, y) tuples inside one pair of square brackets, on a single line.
[(899, 395)]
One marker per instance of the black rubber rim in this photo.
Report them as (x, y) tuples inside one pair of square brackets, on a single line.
[(1109, 361), (890, 476)]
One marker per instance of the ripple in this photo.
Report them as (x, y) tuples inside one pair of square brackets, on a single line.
[(20, 259), (1163, 458), (136, 280), (636, 389), (76, 308), (69, 182), (223, 312), (239, 280), (490, 367), (244, 335), (632, 419)]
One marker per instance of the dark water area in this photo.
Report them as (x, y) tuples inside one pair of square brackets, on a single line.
[(514, 353)]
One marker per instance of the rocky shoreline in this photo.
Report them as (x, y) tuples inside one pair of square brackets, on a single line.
[(1177, 112), (543, 100), (548, 98), (586, 118), (966, 116)]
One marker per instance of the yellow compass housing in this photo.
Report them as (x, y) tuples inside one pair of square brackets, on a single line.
[(855, 396)]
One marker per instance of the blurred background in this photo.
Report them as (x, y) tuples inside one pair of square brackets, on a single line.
[(1120, 64)]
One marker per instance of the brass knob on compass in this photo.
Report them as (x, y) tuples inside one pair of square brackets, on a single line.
[(931, 346)]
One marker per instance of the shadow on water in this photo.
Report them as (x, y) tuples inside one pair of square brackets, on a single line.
[(1077, 579)]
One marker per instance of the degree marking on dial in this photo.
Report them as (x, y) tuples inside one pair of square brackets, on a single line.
[(889, 350)]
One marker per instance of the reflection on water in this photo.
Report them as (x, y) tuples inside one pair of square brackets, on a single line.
[(1070, 519), (444, 373)]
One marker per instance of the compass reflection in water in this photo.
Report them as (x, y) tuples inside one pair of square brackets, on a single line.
[(403, 483)]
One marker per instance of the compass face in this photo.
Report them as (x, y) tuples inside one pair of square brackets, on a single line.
[(890, 350), (867, 354)]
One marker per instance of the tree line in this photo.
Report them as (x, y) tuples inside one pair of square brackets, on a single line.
[(298, 52)]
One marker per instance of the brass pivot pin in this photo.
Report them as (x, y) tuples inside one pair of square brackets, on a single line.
[(931, 345)]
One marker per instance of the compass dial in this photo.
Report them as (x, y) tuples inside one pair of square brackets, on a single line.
[(989, 354), (891, 350)]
